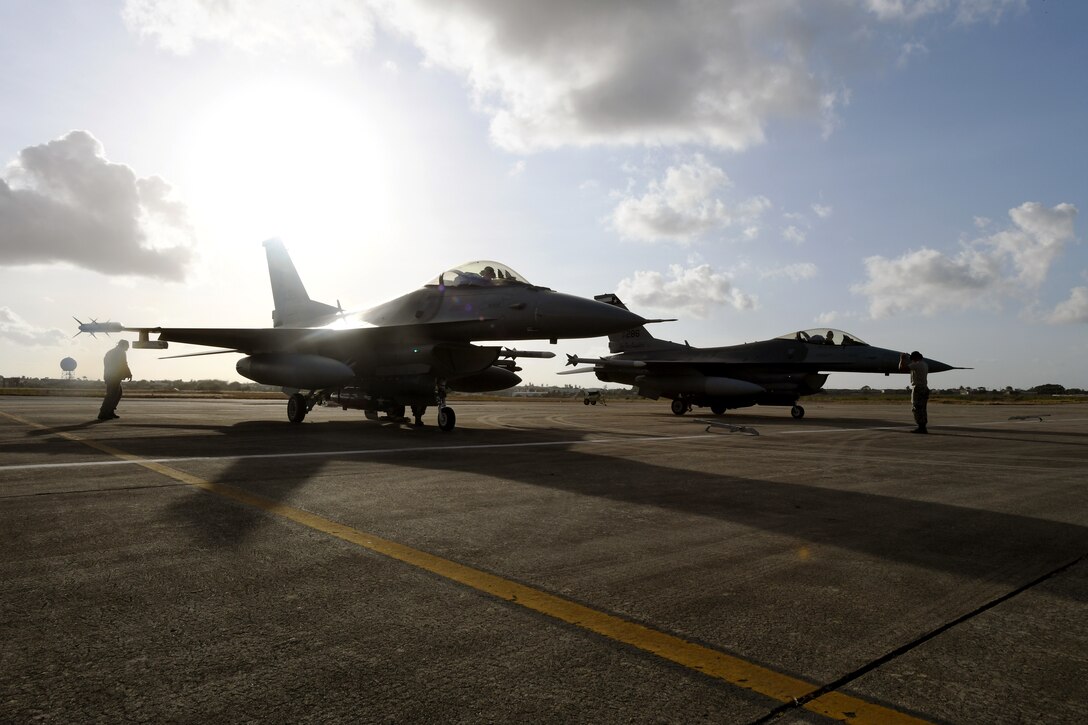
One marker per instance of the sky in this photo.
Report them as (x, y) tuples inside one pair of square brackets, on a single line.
[(911, 171)]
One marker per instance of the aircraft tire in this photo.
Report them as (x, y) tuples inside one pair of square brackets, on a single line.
[(678, 407), (446, 418), (586, 401), (718, 409), (797, 412), (296, 408)]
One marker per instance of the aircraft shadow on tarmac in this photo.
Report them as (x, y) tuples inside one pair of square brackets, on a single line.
[(737, 418), (963, 541)]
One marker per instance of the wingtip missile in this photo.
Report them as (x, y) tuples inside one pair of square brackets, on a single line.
[(514, 353), (577, 371), (575, 360), (95, 326)]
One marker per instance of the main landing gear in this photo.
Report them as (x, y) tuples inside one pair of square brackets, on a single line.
[(298, 405), (417, 413), (679, 406)]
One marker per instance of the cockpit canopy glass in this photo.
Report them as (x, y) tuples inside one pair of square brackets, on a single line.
[(824, 336), (480, 273)]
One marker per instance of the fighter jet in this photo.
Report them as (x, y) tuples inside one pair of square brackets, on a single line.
[(409, 351), (771, 372)]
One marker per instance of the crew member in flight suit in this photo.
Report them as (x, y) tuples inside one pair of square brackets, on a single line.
[(916, 365)]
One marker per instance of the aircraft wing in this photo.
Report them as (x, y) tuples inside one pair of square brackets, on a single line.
[(706, 366), (254, 340)]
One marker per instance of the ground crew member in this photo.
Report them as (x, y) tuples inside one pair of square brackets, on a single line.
[(916, 365), (116, 370)]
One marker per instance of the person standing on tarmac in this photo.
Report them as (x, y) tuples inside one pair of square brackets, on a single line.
[(916, 365), (116, 370)]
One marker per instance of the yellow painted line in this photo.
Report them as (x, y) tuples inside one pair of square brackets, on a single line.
[(734, 670)]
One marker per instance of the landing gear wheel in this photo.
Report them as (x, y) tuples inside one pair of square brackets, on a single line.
[(586, 401), (679, 407), (717, 409), (797, 412), (296, 408), (446, 419)]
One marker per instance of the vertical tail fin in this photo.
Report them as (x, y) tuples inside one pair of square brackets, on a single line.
[(633, 340), (293, 307)]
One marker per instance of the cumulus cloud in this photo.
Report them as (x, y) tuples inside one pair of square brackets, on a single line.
[(17, 331), (560, 73), (63, 201), (689, 291), (1074, 309), (1010, 263), (821, 210), (684, 205), (612, 72), (329, 29)]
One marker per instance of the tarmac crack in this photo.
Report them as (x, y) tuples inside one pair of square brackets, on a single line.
[(868, 667)]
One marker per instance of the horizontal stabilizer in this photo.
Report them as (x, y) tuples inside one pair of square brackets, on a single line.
[(197, 354)]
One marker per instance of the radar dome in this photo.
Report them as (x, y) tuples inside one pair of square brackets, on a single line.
[(67, 364)]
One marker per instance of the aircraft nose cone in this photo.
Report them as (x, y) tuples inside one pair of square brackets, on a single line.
[(936, 366), (562, 315)]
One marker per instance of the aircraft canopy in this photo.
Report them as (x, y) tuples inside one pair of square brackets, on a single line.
[(824, 336), (480, 273)]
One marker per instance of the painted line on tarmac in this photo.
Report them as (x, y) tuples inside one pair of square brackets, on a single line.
[(712, 663), (324, 454)]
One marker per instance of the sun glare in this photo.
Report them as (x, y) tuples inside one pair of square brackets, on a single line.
[(289, 159)]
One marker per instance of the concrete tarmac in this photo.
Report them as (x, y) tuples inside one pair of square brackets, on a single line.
[(544, 562)]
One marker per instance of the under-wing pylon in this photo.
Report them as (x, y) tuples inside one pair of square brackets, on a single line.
[(409, 351), (770, 372)]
